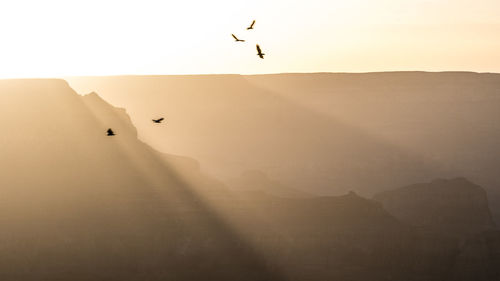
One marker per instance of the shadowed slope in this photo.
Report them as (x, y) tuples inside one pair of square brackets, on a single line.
[(455, 206), (450, 118), (323, 132), (230, 124), (78, 205)]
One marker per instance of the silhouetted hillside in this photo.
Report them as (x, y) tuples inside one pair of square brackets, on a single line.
[(323, 133), (453, 206), (259, 129), (79, 205)]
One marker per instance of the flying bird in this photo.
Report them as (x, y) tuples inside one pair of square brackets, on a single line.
[(251, 26), (110, 132), (259, 52), (158, 120), (236, 38)]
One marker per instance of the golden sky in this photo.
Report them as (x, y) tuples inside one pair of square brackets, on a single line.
[(64, 38)]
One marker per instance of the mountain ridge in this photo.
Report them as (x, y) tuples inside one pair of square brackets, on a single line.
[(424, 124), (77, 204)]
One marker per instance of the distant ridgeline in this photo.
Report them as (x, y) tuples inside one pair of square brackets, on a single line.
[(323, 133), (76, 204)]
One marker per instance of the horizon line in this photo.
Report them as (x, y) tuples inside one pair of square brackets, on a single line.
[(255, 74)]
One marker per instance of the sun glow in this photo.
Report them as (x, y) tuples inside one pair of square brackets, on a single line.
[(64, 38)]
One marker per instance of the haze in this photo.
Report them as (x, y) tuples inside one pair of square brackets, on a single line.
[(410, 158), (67, 38), (319, 161)]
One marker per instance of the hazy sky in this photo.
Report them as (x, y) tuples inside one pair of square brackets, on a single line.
[(62, 38)]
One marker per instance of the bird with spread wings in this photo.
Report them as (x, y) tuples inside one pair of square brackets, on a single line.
[(251, 26), (236, 38), (259, 52)]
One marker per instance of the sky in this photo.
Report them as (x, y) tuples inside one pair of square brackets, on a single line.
[(68, 38)]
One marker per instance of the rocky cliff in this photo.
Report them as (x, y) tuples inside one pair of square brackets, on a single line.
[(76, 204), (455, 205)]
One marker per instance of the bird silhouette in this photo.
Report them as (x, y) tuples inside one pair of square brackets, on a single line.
[(251, 26), (236, 38), (110, 132), (259, 52), (158, 120)]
